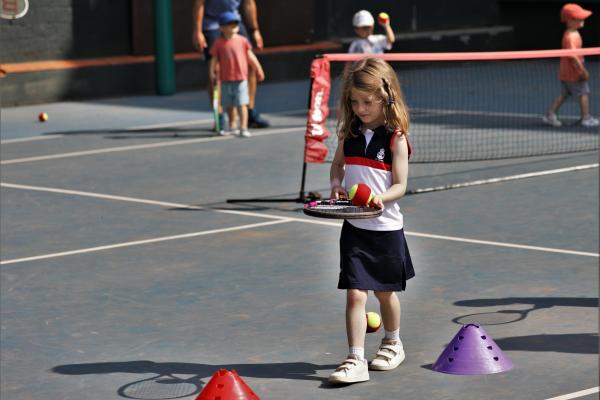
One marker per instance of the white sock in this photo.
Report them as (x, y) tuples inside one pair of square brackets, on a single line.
[(393, 335), (359, 352)]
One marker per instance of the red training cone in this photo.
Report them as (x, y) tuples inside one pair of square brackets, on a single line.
[(227, 385)]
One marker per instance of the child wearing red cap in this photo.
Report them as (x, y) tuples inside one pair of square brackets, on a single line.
[(573, 74)]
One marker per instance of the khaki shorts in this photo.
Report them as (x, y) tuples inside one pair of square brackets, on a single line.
[(575, 88)]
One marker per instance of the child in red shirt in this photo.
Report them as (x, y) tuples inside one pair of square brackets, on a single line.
[(573, 74), (231, 54)]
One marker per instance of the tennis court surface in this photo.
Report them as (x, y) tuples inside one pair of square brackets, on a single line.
[(126, 274)]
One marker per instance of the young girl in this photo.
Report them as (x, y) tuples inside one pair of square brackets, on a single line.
[(373, 149)]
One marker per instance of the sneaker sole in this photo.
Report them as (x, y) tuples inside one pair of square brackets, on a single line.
[(348, 379), (387, 367)]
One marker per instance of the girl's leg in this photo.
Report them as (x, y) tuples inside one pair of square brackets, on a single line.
[(391, 351), (354, 368), (389, 305), (356, 323)]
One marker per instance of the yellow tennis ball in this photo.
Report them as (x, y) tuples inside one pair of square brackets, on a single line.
[(373, 322)]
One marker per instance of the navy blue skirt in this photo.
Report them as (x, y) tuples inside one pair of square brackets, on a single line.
[(374, 260)]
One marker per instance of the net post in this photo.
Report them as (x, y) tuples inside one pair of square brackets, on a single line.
[(303, 178), (302, 197)]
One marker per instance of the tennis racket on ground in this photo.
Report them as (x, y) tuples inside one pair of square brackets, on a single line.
[(215, 105), (339, 209)]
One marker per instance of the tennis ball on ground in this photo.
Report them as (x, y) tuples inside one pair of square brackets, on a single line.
[(383, 18), (43, 117), (373, 322), (360, 194)]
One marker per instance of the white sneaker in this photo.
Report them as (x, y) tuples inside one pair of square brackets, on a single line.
[(389, 355), (245, 133), (589, 122), (352, 370), (551, 119), (223, 132)]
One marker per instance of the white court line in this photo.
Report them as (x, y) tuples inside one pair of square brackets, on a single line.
[(169, 124), (575, 395), (504, 178), (30, 139), (141, 242), (142, 146), (290, 219), (130, 129), (503, 244), (479, 113), (134, 200), (143, 127)]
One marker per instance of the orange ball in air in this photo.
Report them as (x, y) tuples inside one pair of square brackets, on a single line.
[(383, 18)]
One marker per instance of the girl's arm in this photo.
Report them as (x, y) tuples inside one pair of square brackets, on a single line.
[(260, 74), (337, 172), (399, 173)]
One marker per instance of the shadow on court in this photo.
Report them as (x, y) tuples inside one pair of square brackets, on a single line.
[(513, 315), (573, 343), (165, 372)]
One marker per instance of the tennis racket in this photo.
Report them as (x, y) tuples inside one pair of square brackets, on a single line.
[(215, 105), (339, 209)]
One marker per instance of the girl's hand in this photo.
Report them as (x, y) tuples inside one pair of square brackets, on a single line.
[(378, 202), (338, 192)]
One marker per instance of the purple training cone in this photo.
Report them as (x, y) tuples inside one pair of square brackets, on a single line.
[(472, 352)]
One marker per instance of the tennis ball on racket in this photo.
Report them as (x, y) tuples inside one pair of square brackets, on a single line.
[(383, 18), (373, 322), (360, 194), (43, 117)]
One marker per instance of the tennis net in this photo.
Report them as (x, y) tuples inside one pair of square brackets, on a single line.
[(467, 106)]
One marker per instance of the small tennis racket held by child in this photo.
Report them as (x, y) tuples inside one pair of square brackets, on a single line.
[(340, 209), (216, 100)]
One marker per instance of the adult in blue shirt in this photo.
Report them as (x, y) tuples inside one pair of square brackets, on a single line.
[(206, 31)]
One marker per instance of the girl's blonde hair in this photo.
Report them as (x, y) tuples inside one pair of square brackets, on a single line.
[(372, 75)]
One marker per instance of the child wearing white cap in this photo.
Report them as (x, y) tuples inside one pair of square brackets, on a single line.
[(363, 23)]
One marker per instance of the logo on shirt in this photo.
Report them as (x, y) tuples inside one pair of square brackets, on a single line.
[(380, 154)]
